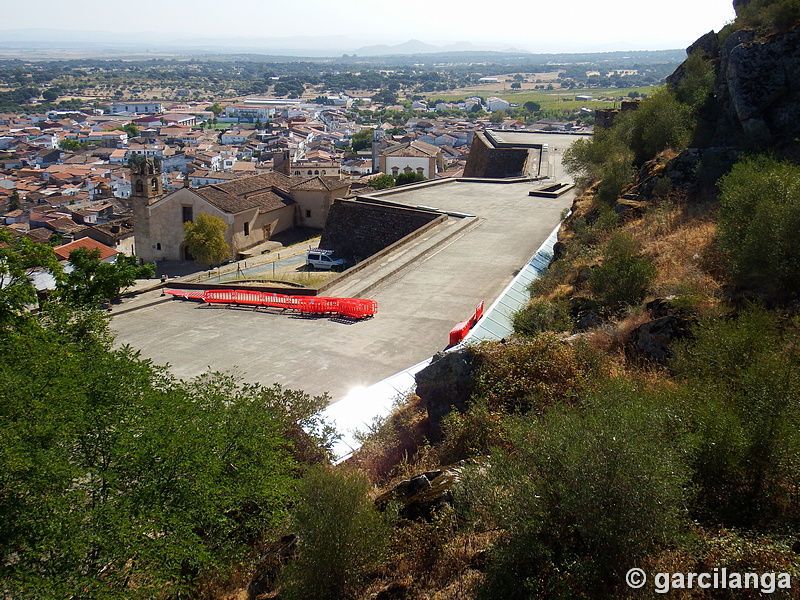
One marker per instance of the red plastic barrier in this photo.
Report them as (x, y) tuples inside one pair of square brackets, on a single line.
[(354, 308), (478, 313), (357, 308), (187, 294), (460, 331)]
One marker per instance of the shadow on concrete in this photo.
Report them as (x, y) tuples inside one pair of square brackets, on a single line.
[(290, 237), (178, 268)]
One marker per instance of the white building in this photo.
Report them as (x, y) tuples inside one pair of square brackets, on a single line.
[(142, 108), (495, 103)]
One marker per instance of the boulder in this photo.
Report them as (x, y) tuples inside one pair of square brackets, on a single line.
[(444, 385), (585, 313), (422, 495), (651, 341)]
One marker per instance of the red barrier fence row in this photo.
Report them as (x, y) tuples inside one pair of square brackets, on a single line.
[(353, 308), (460, 331)]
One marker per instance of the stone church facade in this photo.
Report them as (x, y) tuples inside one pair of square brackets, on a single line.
[(254, 208)]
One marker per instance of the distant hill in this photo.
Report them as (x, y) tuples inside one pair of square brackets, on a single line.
[(46, 42)]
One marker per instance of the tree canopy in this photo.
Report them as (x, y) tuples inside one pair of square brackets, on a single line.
[(205, 239), (119, 481), (90, 281), (20, 259)]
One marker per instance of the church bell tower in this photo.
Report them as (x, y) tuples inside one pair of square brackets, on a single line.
[(146, 188)]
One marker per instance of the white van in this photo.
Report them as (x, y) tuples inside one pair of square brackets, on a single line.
[(323, 259)]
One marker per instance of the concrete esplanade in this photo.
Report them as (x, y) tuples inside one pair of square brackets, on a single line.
[(423, 288)]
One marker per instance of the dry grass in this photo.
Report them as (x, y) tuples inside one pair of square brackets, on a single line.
[(397, 447), (681, 239), (610, 338), (435, 561)]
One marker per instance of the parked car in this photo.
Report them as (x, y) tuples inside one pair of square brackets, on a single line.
[(323, 259)]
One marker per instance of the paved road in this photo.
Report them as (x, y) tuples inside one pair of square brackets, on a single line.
[(417, 308)]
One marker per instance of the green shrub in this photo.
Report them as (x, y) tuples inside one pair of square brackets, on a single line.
[(528, 375), (768, 16), (589, 160), (660, 122), (591, 228), (582, 497), (698, 81), (743, 398), (473, 433), (759, 217), (624, 277), (341, 537), (541, 315)]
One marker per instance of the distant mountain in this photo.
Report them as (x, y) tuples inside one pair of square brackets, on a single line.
[(418, 47), (52, 42)]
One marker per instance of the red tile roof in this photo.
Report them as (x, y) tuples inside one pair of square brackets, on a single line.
[(105, 251)]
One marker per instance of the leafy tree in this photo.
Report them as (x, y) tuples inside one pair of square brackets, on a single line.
[(91, 281), (119, 481), (130, 129), (660, 122), (71, 145), (217, 109), (385, 96), (14, 201), (50, 95), (404, 178), (205, 239), (606, 157), (381, 182), (20, 260), (532, 107), (341, 536), (362, 139), (516, 85), (498, 116)]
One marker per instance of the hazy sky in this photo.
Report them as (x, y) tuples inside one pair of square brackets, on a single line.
[(536, 25)]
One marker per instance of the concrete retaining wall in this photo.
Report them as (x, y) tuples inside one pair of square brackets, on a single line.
[(357, 229)]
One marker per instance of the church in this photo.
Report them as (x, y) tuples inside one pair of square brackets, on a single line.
[(254, 208)]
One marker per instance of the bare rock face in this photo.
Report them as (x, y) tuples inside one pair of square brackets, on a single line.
[(757, 91), (764, 87), (446, 384)]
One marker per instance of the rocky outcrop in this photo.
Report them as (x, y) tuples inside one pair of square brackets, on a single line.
[(764, 87), (757, 93), (422, 495), (444, 385), (652, 341)]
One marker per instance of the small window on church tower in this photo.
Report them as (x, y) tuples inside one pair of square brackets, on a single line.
[(188, 213)]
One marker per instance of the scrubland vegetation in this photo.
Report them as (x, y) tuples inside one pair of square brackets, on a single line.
[(581, 453)]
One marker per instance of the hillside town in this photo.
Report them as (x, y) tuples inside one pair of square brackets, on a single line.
[(65, 175)]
